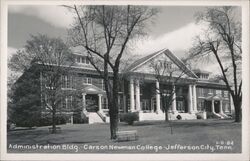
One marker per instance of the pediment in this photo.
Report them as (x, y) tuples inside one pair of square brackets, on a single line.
[(176, 68)]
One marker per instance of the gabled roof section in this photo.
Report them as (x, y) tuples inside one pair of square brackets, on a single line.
[(169, 54), (180, 64), (143, 60), (92, 89)]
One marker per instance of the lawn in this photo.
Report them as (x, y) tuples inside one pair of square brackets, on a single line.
[(189, 136)]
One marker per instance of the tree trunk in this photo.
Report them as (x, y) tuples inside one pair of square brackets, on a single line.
[(165, 107), (237, 107), (53, 121), (114, 109)]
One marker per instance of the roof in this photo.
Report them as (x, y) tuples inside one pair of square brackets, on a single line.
[(201, 71), (78, 50), (143, 60), (92, 89), (169, 54)]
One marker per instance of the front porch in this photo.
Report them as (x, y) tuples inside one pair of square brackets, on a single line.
[(146, 99)]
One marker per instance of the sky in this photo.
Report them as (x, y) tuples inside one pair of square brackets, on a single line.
[(173, 28)]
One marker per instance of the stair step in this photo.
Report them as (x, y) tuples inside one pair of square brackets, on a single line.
[(94, 118)]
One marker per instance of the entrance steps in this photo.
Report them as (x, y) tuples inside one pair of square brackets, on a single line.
[(171, 116), (94, 118), (151, 116), (184, 116), (221, 115)]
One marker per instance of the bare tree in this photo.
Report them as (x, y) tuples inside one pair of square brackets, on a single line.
[(51, 59), (222, 40), (104, 32), (166, 74)]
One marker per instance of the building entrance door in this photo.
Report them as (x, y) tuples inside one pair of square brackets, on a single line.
[(91, 102), (217, 106)]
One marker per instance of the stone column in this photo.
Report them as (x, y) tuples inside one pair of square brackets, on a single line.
[(83, 101), (194, 99), (157, 96), (71, 119), (221, 109), (137, 96), (132, 101), (213, 111), (174, 101), (231, 104), (190, 99), (99, 102)]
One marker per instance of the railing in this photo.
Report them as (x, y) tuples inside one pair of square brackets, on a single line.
[(102, 115)]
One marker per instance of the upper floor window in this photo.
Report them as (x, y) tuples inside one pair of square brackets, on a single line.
[(226, 94), (87, 80), (82, 60), (67, 81), (218, 92), (203, 76), (67, 102)]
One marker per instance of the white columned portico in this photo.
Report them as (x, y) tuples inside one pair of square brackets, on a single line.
[(213, 111), (84, 101), (174, 101), (137, 95), (132, 101), (194, 99), (71, 119), (190, 99), (157, 96), (221, 109), (99, 102)]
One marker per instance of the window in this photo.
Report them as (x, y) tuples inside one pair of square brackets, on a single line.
[(87, 80), (82, 60), (201, 92), (226, 94), (102, 84), (67, 81), (145, 105), (201, 105), (78, 59), (218, 92), (67, 102), (180, 106)]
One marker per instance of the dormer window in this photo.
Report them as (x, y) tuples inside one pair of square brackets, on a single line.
[(82, 60)]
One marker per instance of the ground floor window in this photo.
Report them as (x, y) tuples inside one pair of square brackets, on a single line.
[(145, 106), (67, 102), (226, 106), (200, 105), (120, 103), (180, 105), (153, 104)]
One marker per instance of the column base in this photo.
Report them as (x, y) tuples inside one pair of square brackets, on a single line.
[(159, 112), (174, 112), (192, 112)]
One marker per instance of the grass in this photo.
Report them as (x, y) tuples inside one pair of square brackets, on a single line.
[(188, 137)]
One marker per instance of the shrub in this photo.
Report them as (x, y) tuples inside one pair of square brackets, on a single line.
[(47, 120), (199, 117), (129, 118), (179, 117)]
